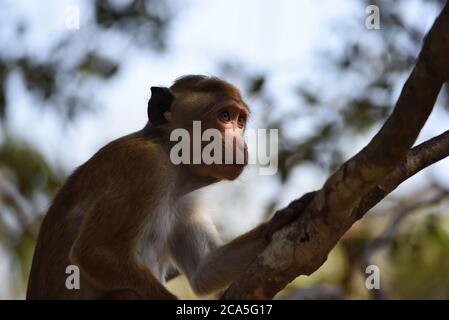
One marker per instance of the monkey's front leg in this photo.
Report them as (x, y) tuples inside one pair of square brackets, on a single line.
[(105, 251), (119, 276), (125, 294), (287, 215)]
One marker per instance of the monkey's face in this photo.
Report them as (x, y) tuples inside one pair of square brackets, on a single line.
[(217, 147), (224, 151)]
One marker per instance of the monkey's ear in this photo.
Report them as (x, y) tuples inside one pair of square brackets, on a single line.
[(159, 104)]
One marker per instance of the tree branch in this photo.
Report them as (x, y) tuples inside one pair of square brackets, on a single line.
[(360, 183), (418, 158)]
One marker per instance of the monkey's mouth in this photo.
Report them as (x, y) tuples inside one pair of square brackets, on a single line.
[(239, 158), (230, 171)]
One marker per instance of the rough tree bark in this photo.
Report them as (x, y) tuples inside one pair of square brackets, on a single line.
[(361, 182)]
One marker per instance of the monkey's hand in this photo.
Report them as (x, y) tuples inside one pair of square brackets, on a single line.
[(287, 215)]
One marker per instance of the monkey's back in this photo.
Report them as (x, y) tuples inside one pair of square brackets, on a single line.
[(56, 236), (62, 222)]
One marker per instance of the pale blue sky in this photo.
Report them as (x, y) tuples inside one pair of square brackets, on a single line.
[(269, 36)]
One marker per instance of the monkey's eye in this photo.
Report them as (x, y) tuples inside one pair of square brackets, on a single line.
[(241, 121), (225, 116)]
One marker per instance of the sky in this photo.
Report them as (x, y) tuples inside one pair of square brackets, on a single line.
[(266, 36)]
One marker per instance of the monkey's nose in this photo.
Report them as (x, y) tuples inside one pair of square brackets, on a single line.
[(239, 153)]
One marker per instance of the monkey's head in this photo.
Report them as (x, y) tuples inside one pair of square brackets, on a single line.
[(219, 106)]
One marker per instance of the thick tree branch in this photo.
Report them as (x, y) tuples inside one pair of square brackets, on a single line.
[(417, 159), (360, 183)]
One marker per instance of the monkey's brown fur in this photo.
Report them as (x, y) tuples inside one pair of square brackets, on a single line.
[(128, 214)]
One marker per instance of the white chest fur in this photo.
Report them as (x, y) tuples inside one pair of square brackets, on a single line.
[(153, 240), (153, 245)]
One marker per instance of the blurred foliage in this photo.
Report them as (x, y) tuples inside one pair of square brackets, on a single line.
[(416, 266), (374, 66), (145, 21), (95, 65), (55, 82), (62, 82), (28, 169), (418, 262)]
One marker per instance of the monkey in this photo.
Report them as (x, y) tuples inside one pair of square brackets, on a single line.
[(129, 216)]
